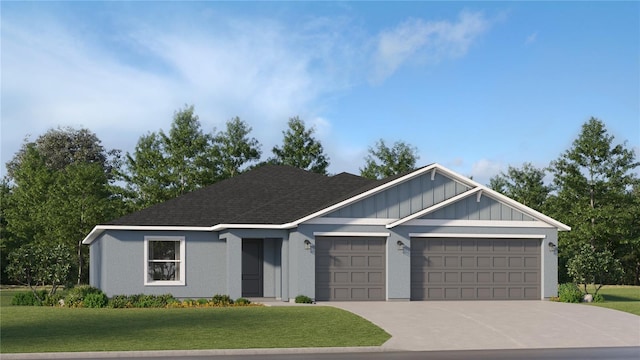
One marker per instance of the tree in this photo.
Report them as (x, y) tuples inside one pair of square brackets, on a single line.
[(594, 180), (525, 185), (66, 145), (58, 190), (164, 166), (300, 149), (80, 199), (383, 161), (40, 264), (233, 149), (590, 266)]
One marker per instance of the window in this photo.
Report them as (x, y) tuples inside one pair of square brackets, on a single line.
[(164, 260)]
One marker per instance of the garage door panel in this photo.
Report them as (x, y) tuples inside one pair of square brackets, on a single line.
[(466, 269), (355, 271), (376, 261)]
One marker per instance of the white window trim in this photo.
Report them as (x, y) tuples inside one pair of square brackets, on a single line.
[(182, 263)]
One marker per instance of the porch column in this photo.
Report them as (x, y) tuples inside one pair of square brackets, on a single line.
[(234, 265)]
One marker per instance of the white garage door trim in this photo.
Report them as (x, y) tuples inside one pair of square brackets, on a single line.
[(348, 234), (478, 236)]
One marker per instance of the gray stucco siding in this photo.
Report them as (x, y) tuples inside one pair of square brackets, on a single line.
[(273, 255), (398, 262), (123, 251)]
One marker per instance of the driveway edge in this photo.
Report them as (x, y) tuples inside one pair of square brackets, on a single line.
[(176, 353)]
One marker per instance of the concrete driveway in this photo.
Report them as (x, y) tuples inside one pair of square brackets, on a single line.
[(478, 325)]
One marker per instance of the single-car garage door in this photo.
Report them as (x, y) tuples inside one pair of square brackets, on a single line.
[(475, 269), (350, 268)]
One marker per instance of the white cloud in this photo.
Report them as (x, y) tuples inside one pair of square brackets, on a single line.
[(432, 41), (484, 169), (124, 81), (531, 38), (52, 75)]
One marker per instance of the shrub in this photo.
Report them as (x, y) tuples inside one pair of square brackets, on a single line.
[(202, 301), (119, 302), (242, 301), (141, 301), (54, 300), (221, 300), (28, 298), (75, 296), (303, 299), (569, 293), (95, 300), (598, 298)]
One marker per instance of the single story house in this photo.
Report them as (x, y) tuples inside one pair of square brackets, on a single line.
[(278, 232)]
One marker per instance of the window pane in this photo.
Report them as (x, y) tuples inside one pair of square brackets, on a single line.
[(164, 250), (163, 271)]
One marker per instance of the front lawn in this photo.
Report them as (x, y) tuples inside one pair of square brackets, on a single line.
[(47, 329), (623, 298)]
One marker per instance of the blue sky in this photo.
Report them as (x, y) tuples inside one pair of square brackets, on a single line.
[(475, 86)]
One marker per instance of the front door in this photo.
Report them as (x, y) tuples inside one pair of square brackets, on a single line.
[(252, 265)]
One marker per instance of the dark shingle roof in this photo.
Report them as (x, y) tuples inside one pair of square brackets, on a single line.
[(270, 194)]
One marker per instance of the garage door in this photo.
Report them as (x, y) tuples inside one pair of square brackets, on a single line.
[(475, 269), (350, 268)]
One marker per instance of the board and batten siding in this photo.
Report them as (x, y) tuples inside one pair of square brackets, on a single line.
[(404, 199), (472, 209)]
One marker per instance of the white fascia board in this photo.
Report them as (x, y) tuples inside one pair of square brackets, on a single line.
[(477, 236), (221, 227), (504, 199), (348, 221), (99, 229), (434, 207), (366, 194)]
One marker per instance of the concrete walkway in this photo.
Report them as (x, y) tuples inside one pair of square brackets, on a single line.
[(480, 325)]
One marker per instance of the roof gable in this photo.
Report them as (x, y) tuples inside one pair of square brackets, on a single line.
[(282, 197), (403, 199)]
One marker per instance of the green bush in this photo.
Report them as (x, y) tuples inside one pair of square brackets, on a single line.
[(242, 301), (221, 300), (75, 296), (28, 298), (303, 299), (140, 301), (202, 301), (54, 300), (95, 300), (119, 302), (598, 298), (569, 293)]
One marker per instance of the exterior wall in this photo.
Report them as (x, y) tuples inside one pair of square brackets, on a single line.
[(273, 255), (118, 264), (471, 209), (398, 262), (404, 199)]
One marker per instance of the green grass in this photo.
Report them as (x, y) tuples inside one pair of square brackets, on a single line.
[(47, 329), (623, 298)]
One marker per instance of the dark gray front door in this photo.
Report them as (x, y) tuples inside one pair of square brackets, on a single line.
[(252, 267), (350, 268), (475, 269)]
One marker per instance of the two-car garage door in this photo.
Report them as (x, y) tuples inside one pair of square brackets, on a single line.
[(475, 269), (354, 268)]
